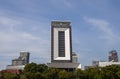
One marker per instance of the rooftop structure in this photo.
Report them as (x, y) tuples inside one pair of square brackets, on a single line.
[(74, 58), (105, 63)]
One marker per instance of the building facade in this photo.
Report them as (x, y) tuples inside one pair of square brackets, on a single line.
[(20, 62), (112, 60), (103, 64), (61, 46), (74, 58), (22, 59)]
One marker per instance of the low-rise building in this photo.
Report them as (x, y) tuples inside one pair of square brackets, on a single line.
[(20, 62)]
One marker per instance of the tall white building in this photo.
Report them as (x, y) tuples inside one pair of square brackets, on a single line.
[(61, 45)]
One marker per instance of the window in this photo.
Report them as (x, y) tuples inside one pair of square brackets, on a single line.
[(61, 45)]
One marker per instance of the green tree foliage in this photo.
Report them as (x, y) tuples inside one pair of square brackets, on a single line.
[(63, 74), (53, 73), (71, 75), (23, 76), (35, 71), (7, 75), (1, 75), (41, 71), (79, 73), (32, 67), (111, 72), (42, 68)]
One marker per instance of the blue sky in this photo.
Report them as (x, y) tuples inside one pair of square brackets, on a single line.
[(25, 26)]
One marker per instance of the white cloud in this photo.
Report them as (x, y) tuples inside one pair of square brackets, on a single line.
[(14, 42), (103, 26), (19, 34), (7, 23)]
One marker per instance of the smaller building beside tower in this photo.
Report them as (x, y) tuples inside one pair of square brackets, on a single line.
[(112, 60), (20, 62), (74, 58)]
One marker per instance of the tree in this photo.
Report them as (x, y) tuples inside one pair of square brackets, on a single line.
[(1, 75), (111, 72), (23, 76), (52, 73), (71, 75), (118, 73), (79, 73), (42, 68), (63, 74), (8, 75), (32, 67)]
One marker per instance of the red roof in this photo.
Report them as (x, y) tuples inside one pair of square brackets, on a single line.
[(11, 71)]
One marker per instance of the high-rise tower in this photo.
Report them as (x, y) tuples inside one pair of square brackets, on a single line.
[(61, 46)]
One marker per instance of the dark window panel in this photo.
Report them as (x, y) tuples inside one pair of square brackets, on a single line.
[(61, 38)]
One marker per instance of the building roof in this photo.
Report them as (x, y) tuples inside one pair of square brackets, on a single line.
[(20, 67), (11, 71), (64, 65), (103, 64)]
